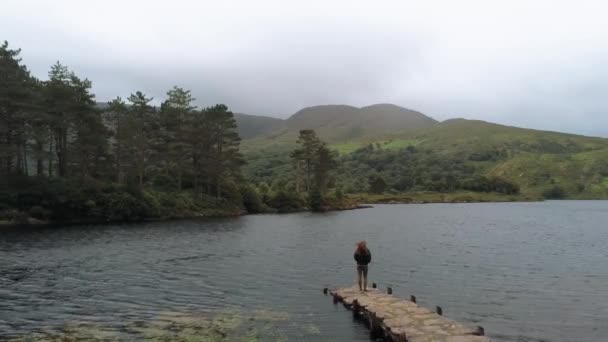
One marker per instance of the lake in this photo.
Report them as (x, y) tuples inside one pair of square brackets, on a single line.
[(524, 271)]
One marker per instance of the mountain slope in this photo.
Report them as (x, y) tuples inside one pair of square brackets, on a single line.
[(446, 156), (251, 126), (475, 136), (339, 123)]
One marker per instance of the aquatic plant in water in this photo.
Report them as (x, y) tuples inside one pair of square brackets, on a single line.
[(166, 326)]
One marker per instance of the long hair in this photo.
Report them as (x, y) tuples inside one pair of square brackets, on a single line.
[(362, 247)]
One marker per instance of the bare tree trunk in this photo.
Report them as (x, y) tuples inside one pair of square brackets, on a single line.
[(51, 157), (141, 178), (118, 166), (308, 176), (25, 164), (298, 177), (61, 151), (9, 141), (19, 163), (179, 179), (39, 161)]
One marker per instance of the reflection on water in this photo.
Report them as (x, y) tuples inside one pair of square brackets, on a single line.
[(524, 271)]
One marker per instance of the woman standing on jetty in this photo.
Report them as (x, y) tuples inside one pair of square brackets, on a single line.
[(363, 257)]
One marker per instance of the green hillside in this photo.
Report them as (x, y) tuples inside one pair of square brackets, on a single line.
[(451, 156), (535, 160), (338, 124), (251, 126)]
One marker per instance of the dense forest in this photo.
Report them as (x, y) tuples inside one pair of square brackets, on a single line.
[(373, 169), (63, 157)]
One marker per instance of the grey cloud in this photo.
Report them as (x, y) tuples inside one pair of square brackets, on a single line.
[(510, 63)]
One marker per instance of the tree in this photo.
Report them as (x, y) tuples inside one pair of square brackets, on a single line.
[(554, 192), (213, 139), (16, 99), (224, 154), (138, 130), (377, 185), (115, 117), (325, 162), (90, 134), (58, 101), (74, 124), (306, 155), (175, 113)]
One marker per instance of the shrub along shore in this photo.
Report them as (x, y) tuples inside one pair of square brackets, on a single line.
[(57, 202)]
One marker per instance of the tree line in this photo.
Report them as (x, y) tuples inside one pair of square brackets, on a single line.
[(55, 138), (54, 128), (63, 155)]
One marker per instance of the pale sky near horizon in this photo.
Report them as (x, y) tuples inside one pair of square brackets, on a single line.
[(535, 63)]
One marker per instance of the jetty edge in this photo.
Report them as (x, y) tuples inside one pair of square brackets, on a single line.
[(400, 320)]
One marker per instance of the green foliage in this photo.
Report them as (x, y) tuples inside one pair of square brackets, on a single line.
[(554, 192), (122, 206), (286, 201), (484, 184), (314, 160), (110, 161), (377, 185), (252, 201), (315, 200), (339, 194), (131, 161)]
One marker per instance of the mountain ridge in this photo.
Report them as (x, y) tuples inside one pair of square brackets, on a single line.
[(338, 123)]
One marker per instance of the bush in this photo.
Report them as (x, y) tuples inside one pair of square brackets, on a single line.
[(315, 200), (251, 200), (39, 212), (377, 185), (555, 192), (484, 184), (164, 182), (151, 201), (123, 206), (339, 194), (13, 215), (285, 202)]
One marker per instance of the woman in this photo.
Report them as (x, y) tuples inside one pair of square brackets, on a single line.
[(363, 258)]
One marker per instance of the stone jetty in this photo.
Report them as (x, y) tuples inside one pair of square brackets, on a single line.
[(401, 320)]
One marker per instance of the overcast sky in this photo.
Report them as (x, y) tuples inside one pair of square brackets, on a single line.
[(531, 63)]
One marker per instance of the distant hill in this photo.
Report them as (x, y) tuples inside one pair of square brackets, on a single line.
[(339, 123), (371, 140), (251, 126), (462, 136), (535, 160)]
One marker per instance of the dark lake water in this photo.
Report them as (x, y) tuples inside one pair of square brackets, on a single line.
[(524, 271)]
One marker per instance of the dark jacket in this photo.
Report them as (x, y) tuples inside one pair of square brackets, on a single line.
[(363, 259)]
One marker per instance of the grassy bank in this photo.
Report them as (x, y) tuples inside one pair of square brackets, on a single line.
[(436, 197)]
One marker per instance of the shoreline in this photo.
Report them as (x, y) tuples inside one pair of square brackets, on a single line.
[(363, 204), (33, 222)]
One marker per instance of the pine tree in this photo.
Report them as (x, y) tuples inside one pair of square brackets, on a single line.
[(115, 117), (139, 132), (306, 155), (325, 162), (16, 100), (223, 155), (176, 112)]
